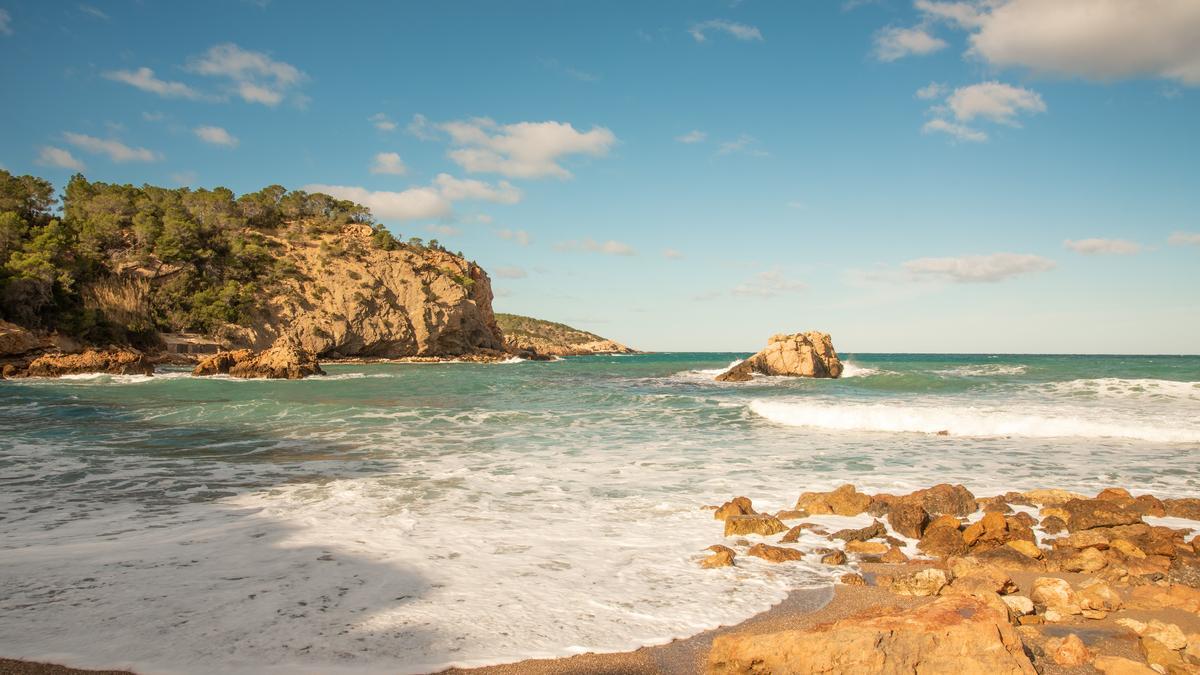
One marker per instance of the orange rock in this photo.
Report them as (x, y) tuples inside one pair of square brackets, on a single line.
[(738, 506), (722, 557), (775, 554), (894, 556), (1025, 548), (852, 579), (844, 501), (1068, 651), (834, 558), (761, 524), (867, 547), (1116, 665)]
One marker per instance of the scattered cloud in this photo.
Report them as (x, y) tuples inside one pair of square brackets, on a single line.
[(58, 158), (978, 268), (743, 144), (524, 149), (509, 273), (610, 247), (520, 236), (894, 42), (1097, 246), (5, 22), (739, 31), (93, 11), (216, 136), (672, 254), (1103, 41), (382, 122), (456, 189), (116, 150), (412, 204), (959, 14), (421, 128), (389, 163), (958, 131), (994, 101), (254, 76), (1184, 239), (443, 230), (693, 136), (768, 284), (931, 90), (146, 80)]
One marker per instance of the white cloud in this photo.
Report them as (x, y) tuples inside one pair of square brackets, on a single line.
[(768, 284), (520, 236), (509, 273), (744, 143), (978, 268), (482, 218), (1184, 239), (739, 31), (610, 247), (673, 254), (456, 189), (1098, 40), (411, 204), (116, 150), (93, 11), (524, 149), (421, 127), (1097, 246), (694, 136), (389, 163), (254, 76), (960, 14), (5, 22), (958, 131), (145, 79), (443, 230), (931, 90), (216, 136), (894, 43), (382, 122), (995, 101), (59, 158)]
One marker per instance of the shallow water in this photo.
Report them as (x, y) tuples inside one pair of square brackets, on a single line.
[(402, 518)]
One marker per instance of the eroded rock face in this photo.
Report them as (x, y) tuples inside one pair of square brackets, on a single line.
[(108, 361), (775, 554), (282, 362), (15, 340), (760, 524), (953, 634), (844, 501), (808, 354)]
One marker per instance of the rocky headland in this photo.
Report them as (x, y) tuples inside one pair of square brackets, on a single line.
[(523, 334), (808, 354)]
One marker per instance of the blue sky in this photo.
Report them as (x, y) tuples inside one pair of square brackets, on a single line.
[(991, 175)]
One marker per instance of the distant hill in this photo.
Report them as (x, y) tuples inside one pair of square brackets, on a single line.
[(555, 339)]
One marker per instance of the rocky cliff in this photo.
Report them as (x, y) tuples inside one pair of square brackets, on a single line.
[(808, 354), (347, 298), (523, 333)]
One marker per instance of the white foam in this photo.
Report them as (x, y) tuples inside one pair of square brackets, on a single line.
[(959, 421), (854, 370), (984, 370), (1117, 388)]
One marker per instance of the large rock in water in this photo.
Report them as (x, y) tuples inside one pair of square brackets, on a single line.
[(808, 354), (108, 361), (281, 362), (966, 635)]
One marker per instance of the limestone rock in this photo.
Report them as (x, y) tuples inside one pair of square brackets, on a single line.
[(738, 506), (875, 529), (908, 518), (1068, 651), (109, 361), (1025, 548), (852, 579), (1116, 665), (1053, 524), (761, 524), (800, 355), (1188, 507), (1094, 594), (1050, 497), (1160, 656), (1156, 597), (1085, 514), (960, 634), (867, 547), (1055, 594), (925, 582), (722, 557), (844, 501), (775, 554), (894, 556), (1018, 604), (283, 361), (834, 558), (942, 541)]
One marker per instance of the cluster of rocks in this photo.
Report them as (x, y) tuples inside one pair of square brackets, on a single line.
[(808, 354), (26, 354), (283, 361), (991, 596)]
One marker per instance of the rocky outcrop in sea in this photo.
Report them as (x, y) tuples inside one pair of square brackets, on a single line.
[(808, 354)]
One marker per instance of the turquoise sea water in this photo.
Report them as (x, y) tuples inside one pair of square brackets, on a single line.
[(400, 518)]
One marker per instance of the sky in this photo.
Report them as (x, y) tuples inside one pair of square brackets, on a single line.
[(928, 176)]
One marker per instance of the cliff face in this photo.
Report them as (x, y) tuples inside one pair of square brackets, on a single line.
[(346, 298), (523, 333)]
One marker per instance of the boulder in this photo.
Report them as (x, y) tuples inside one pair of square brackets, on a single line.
[(1018, 604), (960, 634), (924, 582), (1163, 658), (1096, 595), (894, 556), (1068, 651), (1053, 525), (982, 581), (722, 557), (1185, 570), (867, 547), (738, 506), (108, 361), (1188, 507), (834, 558), (775, 554), (283, 361), (908, 518), (844, 501), (761, 524), (1087, 561), (1055, 595), (1116, 665), (1050, 497), (875, 529), (1085, 514), (1025, 548), (944, 499), (799, 355), (15, 340), (852, 579), (942, 541), (1008, 558)]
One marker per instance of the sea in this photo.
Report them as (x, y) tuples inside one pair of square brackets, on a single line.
[(405, 518)]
